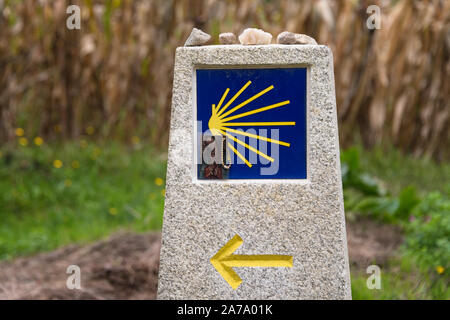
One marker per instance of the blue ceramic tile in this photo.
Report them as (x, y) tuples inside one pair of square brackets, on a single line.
[(282, 94)]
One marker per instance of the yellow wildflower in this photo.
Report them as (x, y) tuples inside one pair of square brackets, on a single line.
[(75, 164), (90, 130), (57, 163), (19, 132), (116, 4), (135, 140), (38, 141), (163, 192), (440, 269), (68, 182), (83, 144), (159, 182), (23, 142), (112, 211)]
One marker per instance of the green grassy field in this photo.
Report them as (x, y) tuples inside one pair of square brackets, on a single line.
[(78, 192), (395, 171)]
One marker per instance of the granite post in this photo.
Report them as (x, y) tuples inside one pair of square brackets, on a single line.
[(298, 218)]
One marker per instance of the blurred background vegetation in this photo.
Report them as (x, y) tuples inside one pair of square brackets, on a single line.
[(84, 119), (115, 74)]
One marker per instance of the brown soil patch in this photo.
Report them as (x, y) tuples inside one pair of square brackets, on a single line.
[(370, 242), (125, 266)]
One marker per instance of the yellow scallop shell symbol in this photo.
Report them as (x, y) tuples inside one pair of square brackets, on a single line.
[(221, 121)]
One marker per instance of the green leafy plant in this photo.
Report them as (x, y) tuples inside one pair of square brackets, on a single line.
[(425, 220), (354, 177), (429, 232)]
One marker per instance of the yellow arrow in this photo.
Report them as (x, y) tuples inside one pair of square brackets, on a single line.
[(224, 260)]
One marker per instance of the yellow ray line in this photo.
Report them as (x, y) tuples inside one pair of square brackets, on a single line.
[(234, 97), (245, 102), (272, 106), (257, 137), (247, 146), (263, 260), (250, 124), (221, 100), (239, 155)]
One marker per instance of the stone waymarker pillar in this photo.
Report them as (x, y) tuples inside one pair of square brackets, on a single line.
[(264, 219)]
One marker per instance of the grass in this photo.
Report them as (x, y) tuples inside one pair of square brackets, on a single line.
[(97, 190), (397, 171), (393, 287), (401, 279)]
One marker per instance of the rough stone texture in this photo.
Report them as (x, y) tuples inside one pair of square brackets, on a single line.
[(255, 36), (197, 38), (295, 38), (227, 38), (303, 218)]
